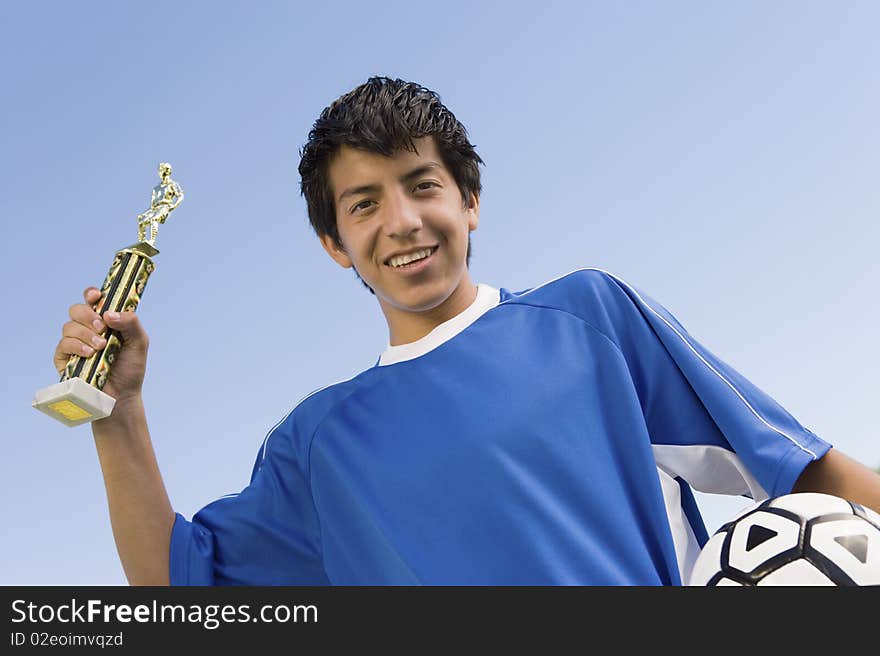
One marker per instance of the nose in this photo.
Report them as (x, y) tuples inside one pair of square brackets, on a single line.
[(401, 216)]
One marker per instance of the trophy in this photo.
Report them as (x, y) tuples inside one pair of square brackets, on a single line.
[(78, 397)]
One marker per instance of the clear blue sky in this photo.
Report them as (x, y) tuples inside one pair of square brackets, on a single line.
[(721, 156)]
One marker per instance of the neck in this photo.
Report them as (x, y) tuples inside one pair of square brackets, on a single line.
[(405, 326)]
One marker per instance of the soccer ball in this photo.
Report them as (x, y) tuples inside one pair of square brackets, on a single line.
[(801, 538)]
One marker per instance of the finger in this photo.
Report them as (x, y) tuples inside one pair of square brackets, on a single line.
[(68, 347), (91, 295), (72, 346), (86, 315), (59, 360), (93, 298), (129, 328), (84, 334)]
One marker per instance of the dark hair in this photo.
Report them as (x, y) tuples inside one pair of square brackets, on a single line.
[(382, 115)]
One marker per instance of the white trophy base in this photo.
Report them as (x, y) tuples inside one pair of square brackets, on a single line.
[(73, 402)]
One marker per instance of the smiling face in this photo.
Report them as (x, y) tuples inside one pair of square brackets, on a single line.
[(393, 209)]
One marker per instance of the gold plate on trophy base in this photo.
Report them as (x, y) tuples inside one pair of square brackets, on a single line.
[(73, 402)]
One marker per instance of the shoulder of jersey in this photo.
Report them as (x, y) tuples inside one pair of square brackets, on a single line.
[(582, 292), (318, 402), (305, 416)]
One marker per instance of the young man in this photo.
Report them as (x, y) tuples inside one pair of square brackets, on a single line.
[(548, 436)]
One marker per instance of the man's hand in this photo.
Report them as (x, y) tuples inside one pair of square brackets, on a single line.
[(86, 332)]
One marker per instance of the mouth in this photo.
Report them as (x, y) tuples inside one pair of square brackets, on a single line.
[(411, 261)]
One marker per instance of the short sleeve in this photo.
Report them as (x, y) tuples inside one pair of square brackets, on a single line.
[(708, 424), (268, 534)]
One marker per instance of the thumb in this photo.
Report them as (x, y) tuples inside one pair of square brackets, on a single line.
[(129, 328)]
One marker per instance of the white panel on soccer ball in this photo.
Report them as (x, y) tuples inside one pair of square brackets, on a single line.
[(708, 563), (812, 504), (797, 572), (851, 544), (783, 535)]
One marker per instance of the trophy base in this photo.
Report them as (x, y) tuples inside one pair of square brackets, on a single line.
[(73, 402)]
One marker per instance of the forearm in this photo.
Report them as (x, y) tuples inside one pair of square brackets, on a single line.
[(840, 475), (140, 512)]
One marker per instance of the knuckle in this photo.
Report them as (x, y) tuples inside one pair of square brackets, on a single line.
[(72, 329), (79, 311)]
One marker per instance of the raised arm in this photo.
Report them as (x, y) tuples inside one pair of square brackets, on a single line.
[(140, 512)]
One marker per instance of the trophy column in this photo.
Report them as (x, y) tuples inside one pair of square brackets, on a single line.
[(79, 396)]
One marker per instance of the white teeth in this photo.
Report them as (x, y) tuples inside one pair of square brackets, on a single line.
[(400, 260)]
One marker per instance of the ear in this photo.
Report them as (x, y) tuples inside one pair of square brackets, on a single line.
[(473, 212), (338, 254)]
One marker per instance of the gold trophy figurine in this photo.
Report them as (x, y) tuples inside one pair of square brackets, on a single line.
[(166, 196), (79, 398)]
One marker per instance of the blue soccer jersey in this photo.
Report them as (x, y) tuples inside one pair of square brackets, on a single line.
[(545, 437)]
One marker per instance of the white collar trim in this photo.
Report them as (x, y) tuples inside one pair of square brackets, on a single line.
[(487, 298)]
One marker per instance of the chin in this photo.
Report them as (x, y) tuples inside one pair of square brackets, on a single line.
[(418, 302), (419, 299)]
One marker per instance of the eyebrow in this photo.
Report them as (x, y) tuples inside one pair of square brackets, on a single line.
[(406, 177)]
